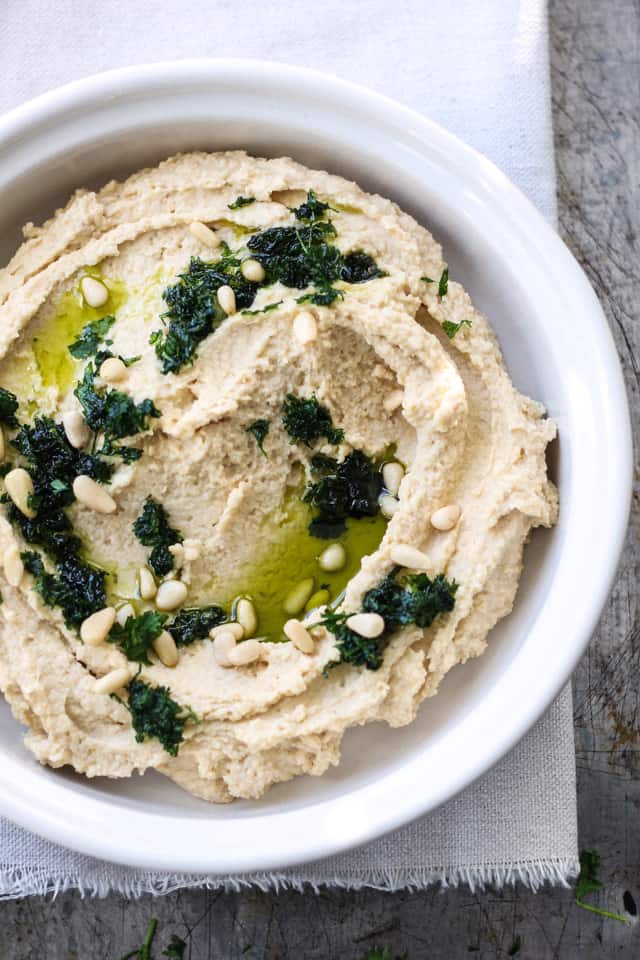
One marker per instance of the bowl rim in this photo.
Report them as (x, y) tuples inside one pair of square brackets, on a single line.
[(367, 809)]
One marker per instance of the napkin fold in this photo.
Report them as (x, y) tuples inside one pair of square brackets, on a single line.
[(481, 70)]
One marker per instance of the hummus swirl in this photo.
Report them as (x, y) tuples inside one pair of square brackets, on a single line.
[(403, 363)]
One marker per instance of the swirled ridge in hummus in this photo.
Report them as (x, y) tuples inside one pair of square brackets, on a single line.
[(266, 476)]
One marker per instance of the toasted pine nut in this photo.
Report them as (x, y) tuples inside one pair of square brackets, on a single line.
[(252, 270), (20, 488), (13, 565), (94, 629), (299, 636), (244, 653), (230, 627), (2, 444), (333, 558), (113, 370), (246, 616), (404, 555), (446, 517), (366, 624), (147, 583), (92, 495), (227, 299), (165, 647), (123, 613), (297, 597), (113, 681), (204, 234), (171, 594), (388, 505), (223, 643), (393, 401), (94, 292), (305, 328), (392, 474), (318, 599), (76, 429)]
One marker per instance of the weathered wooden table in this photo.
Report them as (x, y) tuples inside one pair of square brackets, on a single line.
[(596, 91)]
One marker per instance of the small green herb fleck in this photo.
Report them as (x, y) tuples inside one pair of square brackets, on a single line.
[(451, 328), (91, 336), (322, 298), (269, 307), (305, 419), (155, 714), (143, 952), (443, 283), (76, 588), (176, 948), (349, 489), (359, 267), (195, 624), (427, 279), (240, 202), (588, 882), (8, 408), (259, 429), (312, 209), (152, 529), (136, 636)]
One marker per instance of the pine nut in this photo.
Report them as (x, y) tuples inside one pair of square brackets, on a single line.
[(366, 624), (404, 555), (91, 494), (147, 583), (297, 597), (171, 594), (232, 627), (224, 642), (299, 636), (95, 629), (305, 328), (2, 444), (165, 647), (94, 292), (246, 616), (113, 369), (227, 299), (446, 517), (333, 558), (123, 613), (252, 270), (13, 566), (244, 653), (318, 599), (393, 401), (392, 475), (20, 488), (204, 234), (113, 681), (388, 505), (76, 429)]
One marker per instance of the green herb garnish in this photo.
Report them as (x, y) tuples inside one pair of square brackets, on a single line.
[(136, 636), (305, 419), (195, 624), (90, 338), (349, 489), (443, 283), (269, 307), (259, 430), (76, 588), (312, 209), (240, 202), (588, 882), (8, 408), (152, 528), (155, 714), (359, 267), (451, 328)]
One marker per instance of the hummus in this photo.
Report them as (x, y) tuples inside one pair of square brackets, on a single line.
[(203, 358)]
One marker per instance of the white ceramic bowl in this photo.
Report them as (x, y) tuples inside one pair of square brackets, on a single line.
[(558, 349)]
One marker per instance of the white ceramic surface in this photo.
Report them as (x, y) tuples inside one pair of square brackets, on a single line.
[(558, 349)]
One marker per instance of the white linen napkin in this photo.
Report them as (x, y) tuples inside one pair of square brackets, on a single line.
[(481, 70)]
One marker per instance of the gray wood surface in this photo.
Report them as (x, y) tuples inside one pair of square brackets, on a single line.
[(596, 91)]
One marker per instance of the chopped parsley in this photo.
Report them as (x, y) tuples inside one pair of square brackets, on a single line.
[(588, 882), (240, 202), (269, 307), (348, 489), (259, 430), (114, 415), (77, 588), (8, 408), (152, 528), (305, 419), (359, 267), (90, 338), (443, 283), (451, 328), (155, 714), (312, 209), (354, 649), (195, 624), (136, 636)]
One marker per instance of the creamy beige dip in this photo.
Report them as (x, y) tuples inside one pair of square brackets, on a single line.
[(407, 368)]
